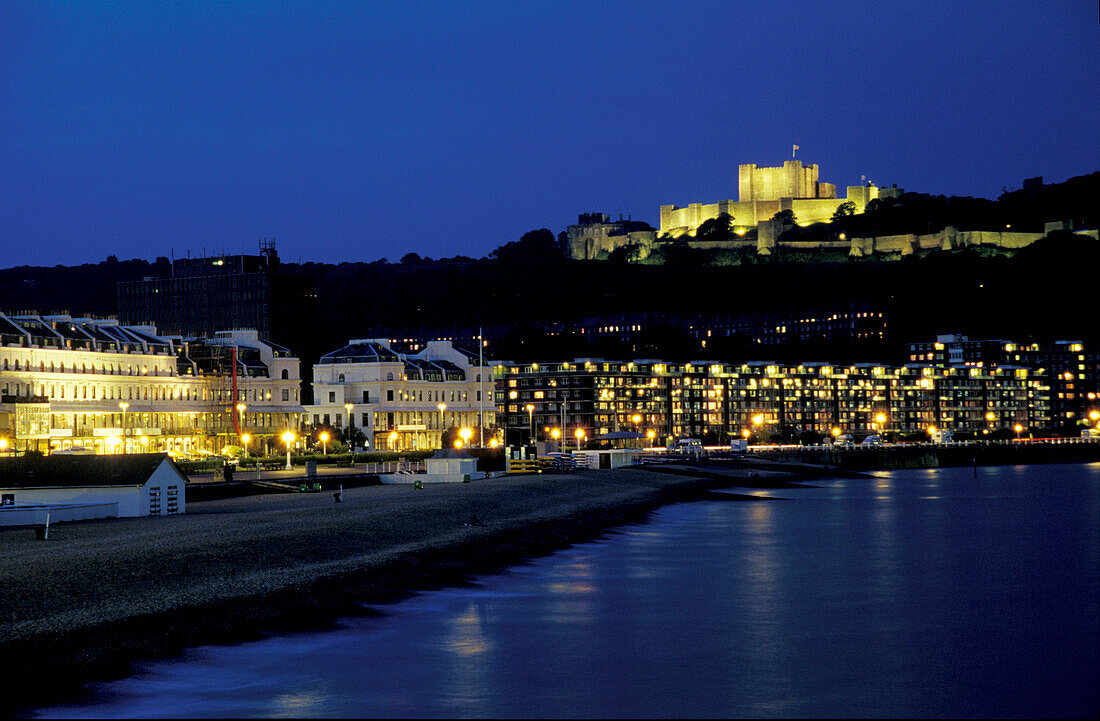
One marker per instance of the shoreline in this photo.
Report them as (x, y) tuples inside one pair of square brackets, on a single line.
[(99, 596)]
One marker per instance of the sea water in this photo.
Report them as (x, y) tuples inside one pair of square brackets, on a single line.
[(913, 593)]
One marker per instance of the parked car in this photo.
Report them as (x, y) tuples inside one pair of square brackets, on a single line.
[(875, 440)]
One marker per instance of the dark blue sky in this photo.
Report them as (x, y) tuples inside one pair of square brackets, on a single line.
[(352, 131)]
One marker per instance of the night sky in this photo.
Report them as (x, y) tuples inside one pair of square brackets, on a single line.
[(353, 131)]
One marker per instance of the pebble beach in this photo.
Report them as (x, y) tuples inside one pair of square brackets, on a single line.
[(97, 595)]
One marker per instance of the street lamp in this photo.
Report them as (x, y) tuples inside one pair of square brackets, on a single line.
[(3, 445), (465, 433), (1018, 428), (393, 440), (351, 431), (579, 434), (288, 437), (531, 416), (124, 405), (245, 438), (880, 420), (651, 434), (555, 433), (442, 407), (324, 442)]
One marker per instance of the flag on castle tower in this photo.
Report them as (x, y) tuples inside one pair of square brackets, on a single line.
[(793, 150)]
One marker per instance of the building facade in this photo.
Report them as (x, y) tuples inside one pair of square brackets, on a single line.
[(762, 400), (203, 296), (1072, 368), (87, 383), (404, 401)]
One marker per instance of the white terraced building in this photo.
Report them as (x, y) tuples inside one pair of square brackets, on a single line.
[(68, 382), (404, 401)]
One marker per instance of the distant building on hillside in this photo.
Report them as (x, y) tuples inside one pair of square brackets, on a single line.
[(765, 191), (595, 235)]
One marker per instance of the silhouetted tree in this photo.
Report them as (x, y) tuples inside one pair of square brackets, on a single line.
[(534, 245), (625, 254), (720, 228), (844, 210)]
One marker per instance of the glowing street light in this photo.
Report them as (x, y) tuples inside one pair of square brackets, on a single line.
[(351, 431), (3, 445), (1094, 415), (465, 433), (531, 416), (579, 434), (493, 443), (324, 442), (245, 438), (1018, 428), (393, 440), (758, 419), (442, 407), (288, 438)]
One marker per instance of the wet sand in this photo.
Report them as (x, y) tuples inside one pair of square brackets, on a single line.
[(98, 595)]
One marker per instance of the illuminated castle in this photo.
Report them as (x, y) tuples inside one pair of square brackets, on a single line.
[(763, 192)]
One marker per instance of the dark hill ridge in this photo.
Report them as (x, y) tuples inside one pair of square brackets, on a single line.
[(1041, 290)]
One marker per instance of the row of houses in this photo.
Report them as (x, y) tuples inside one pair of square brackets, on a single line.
[(80, 383), (93, 384)]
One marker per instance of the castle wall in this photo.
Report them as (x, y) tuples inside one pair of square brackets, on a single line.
[(946, 239)]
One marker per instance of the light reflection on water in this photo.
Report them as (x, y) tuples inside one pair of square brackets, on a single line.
[(928, 593)]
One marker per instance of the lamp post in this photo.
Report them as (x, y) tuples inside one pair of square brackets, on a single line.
[(579, 434), (124, 405), (442, 407), (288, 437), (324, 442), (4, 446), (245, 438), (393, 440), (1018, 428), (555, 433), (351, 432), (465, 433), (531, 416)]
